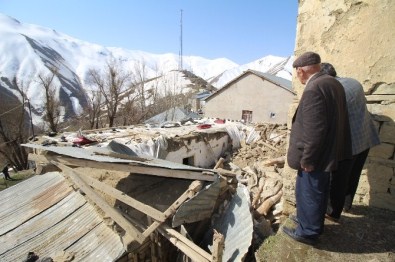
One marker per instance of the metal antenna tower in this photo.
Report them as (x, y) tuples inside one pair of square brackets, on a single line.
[(180, 54)]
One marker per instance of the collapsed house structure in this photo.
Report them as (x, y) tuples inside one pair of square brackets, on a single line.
[(139, 194)]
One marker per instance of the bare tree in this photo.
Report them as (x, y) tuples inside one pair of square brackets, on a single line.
[(111, 83), (170, 95), (14, 126), (95, 101), (51, 102), (145, 95)]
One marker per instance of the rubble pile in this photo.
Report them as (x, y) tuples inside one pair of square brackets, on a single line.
[(258, 165), (247, 208), (268, 141)]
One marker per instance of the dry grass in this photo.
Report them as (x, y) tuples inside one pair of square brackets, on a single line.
[(16, 178)]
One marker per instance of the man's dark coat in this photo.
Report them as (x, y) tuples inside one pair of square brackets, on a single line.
[(320, 132)]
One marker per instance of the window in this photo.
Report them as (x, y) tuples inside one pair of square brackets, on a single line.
[(246, 115), (190, 161)]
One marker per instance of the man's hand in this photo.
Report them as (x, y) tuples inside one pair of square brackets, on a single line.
[(307, 168)]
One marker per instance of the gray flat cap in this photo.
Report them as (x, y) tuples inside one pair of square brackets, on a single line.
[(308, 58)]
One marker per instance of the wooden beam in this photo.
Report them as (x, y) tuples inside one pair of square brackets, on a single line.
[(186, 246), (190, 192), (124, 167), (121, 196), (269, 146), (189, 248), (101, 203), (218, 246)]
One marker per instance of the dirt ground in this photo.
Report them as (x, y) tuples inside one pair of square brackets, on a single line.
[(363, 234)]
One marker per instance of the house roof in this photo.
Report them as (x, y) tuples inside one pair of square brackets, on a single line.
[(202, 95), (98, 154), (281, 82), (174, 114)]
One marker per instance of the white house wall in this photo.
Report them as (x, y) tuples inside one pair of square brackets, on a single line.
[(204, 154), (254, 94)]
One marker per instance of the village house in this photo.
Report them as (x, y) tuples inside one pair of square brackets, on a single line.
[(253, 97), (197, 100)]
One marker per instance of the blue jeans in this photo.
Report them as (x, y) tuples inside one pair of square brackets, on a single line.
[(311, 201)]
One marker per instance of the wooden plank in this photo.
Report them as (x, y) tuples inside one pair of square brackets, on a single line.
[(130, 168), (269, 146), (101, 203), (189, 248), (218, 246), (115, 193), (191, 191)]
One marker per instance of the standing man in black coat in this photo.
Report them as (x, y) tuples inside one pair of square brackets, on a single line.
[(319, 139)]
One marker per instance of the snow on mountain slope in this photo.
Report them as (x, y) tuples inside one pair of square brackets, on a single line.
[(31, 50), (279, 66)]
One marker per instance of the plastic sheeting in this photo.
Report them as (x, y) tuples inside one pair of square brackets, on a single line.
[(235, 135)]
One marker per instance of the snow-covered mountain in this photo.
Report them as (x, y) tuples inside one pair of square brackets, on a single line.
[(30, 50), (278, 66)]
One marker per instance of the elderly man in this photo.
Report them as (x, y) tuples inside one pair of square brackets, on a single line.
[(319, 139), (364, 135)]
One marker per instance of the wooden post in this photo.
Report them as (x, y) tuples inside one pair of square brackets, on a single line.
[(218, 246), (154, 256), (219, 163)]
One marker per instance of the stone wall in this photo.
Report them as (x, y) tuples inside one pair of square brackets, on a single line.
[(358, 38)]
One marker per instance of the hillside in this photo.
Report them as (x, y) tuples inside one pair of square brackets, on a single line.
[(30, 51)]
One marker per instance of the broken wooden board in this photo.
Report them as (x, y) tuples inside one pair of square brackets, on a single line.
[(102, 204), (125, 167)]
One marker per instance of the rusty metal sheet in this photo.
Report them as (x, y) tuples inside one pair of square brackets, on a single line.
[(71, 224), (199, 207)]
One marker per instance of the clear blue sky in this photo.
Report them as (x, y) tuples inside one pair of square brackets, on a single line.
[(241, 31)]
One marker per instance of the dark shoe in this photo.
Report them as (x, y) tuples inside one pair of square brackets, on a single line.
[(294, 219), (331, 218), (291, 233)]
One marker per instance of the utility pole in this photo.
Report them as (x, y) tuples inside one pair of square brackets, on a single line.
[(180, 57)]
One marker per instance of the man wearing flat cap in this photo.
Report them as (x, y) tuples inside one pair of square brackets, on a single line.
[(319, 139)]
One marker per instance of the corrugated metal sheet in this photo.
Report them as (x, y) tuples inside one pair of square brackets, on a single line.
[(89, 154), (174, 114), (199, 207), (237, 226), (43, 215)]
